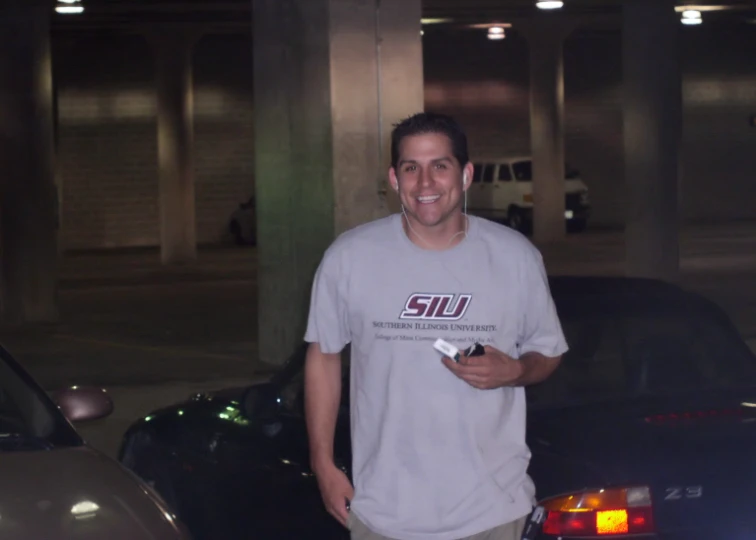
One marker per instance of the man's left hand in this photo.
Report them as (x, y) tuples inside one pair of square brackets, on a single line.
[(492, 369)]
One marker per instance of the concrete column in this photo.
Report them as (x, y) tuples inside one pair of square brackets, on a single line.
[(173, 54), (27, 198), (331, 77), (546, 38), (652, 132), (401, 81)]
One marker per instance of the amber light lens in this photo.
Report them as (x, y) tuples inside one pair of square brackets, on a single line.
[(599, 513)]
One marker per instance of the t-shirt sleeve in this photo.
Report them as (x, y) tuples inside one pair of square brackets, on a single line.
[(327, 322), (540, 328)]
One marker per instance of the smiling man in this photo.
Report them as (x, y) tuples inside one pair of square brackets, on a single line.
[(438, 447)]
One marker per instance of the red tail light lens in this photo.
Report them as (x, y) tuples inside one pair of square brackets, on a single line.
[(599, 513)]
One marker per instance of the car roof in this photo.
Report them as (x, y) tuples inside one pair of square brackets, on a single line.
[(576, 295), (500, 160)]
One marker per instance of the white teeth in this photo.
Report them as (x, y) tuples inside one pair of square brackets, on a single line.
[(429, 199)]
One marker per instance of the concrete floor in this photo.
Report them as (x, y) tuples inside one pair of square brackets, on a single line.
[(153, 335)]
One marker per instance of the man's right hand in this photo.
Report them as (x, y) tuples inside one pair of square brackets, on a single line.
[(336, 490)]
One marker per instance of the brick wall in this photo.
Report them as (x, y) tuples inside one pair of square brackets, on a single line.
[(107, 138), (224, 131), (107, 151)]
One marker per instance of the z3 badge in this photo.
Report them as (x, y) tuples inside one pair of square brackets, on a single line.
[(679, 493)]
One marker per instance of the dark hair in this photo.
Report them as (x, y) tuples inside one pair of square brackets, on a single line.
[(425, 122)]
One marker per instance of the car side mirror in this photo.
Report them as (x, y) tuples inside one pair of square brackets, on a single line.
[(259, 402), (83, 403)]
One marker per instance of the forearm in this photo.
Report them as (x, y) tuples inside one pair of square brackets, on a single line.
[(536, 368), (322, 395)]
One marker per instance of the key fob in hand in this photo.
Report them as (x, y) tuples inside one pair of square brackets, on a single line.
[(475, 350)]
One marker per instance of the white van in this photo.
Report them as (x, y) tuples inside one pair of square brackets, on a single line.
[(502, 190)]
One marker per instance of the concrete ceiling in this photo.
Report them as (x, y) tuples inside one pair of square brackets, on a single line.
[(236, 14)]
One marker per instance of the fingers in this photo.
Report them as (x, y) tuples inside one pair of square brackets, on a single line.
[(340, 513), (338, 508), (477, 376), (466, 369)]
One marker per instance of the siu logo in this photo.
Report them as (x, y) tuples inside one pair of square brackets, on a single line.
[(436, 307)]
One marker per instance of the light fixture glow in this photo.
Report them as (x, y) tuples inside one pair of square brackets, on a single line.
[(691, 14), (438, 20), (689, 21), (496, 33), (69, 10), (84, 507), (550, 4)]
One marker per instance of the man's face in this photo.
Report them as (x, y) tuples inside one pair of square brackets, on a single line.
[(429, 179)]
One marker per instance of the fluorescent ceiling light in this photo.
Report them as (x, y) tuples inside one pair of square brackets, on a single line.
[(684, 8), (691, 21), (550, 4), (436, 21), (68, 10), (691, 14)]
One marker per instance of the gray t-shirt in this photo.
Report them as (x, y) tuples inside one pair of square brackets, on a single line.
[(433, 457)]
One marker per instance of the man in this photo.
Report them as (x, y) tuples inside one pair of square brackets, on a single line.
[(438, 447)]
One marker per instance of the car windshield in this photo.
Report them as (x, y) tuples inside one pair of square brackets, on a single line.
[(638, 354), (28, 420)]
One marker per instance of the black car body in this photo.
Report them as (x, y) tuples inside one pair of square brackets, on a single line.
[(647, 428)]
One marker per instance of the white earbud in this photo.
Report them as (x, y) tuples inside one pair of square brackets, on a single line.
[(465, 180)]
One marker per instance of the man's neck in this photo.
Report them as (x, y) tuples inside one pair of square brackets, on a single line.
[(441, 237)]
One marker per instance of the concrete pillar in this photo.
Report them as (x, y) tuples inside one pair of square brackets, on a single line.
[(546, 38), (331, 77), (27, 189), (401, 82), (173, 78), (652, 132)]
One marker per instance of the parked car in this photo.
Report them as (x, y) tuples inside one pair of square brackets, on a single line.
[(243, 223), (647, 428), (53, 484), (502, 189)]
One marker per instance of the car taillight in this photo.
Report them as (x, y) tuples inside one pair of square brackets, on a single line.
[(600, 512)]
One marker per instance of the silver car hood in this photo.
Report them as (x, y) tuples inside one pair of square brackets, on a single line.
[(78, 494)]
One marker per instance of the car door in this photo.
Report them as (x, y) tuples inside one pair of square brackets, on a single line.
[(299, 510), (504, 191)]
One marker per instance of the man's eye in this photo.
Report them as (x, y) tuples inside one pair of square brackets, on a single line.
[(441, 166), (410, 168)]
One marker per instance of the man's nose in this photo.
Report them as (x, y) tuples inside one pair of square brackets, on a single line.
[(426, 178)]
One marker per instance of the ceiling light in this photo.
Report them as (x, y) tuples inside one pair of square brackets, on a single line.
[(691, 17), (703, 8), (550, 4), (496, 33), (68, 10), (436, 20)]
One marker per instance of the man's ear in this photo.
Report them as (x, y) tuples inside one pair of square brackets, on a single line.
[(393, 180), (467, 172)]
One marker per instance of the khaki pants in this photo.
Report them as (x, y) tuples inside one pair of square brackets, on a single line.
[(508, 531)]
